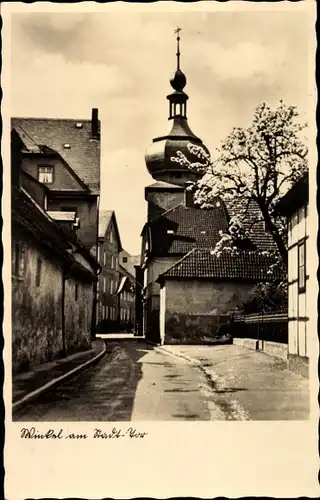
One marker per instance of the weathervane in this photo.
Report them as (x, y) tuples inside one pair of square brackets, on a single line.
[(177, 32)]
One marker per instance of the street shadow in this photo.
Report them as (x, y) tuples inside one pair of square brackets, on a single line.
[(104, 391)]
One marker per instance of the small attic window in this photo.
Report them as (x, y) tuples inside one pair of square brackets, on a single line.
[(66, 146), (79, 125), (170, 231), (218, 204)]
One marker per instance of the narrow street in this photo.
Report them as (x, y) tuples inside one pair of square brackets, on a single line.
[(134, 382)]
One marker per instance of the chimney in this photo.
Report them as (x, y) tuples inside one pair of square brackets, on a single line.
[(94, 124), (189, 194)]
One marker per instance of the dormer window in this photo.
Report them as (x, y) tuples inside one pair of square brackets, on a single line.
[(45, 174), (79, 125)]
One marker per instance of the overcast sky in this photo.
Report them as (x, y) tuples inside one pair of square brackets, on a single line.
[(65, 64)]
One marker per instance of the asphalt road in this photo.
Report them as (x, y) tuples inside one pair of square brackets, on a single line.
[(133, 382)]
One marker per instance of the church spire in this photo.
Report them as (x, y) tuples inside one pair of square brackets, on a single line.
[(177, 31), (178, 100)]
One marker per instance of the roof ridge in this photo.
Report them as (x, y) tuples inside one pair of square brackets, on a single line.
[(166, 212), (106, 211), (178, 262), (50, 119)]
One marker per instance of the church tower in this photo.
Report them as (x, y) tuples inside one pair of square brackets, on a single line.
[(165, 158)]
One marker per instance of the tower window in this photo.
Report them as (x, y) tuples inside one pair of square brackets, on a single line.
[(45, 175)]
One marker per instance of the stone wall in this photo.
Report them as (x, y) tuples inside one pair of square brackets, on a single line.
[(36, 310), (195, 309), (192, 328), (78, 311), (37, 301)]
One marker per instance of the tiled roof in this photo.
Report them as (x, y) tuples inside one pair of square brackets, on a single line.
[(104, 221), (83, 156), (181, 229), (257, 233), (245, 265)]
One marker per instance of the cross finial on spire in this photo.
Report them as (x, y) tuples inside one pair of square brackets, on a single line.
[(177, 32)]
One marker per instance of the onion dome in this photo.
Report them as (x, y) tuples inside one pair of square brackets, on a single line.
[(167, 158)]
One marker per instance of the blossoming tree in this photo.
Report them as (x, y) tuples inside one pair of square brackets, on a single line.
[(256, 165)]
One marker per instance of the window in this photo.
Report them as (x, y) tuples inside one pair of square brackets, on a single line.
[(111, 261), (104, 257), (117, 263), (104, 285), (302, 266), (76, 292), (111, 287), (98, 254), (111, 236), (38, 272), (45, 175), (124, 259)]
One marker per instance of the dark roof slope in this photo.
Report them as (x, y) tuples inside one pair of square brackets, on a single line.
[(244, 265), (181, 229), (253, 223), (83, 156), (297, 196)]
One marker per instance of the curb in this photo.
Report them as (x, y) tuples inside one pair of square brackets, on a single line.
[(213, 380), (37, 392), (193, 361)]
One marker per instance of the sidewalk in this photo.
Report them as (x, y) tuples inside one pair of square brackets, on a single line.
[(258, 383), (27, 384)]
